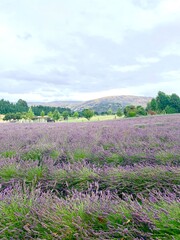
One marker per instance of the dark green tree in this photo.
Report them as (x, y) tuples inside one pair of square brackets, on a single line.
[(175, 102), (65, 115), (21, 106), (170, 110), (162, 100), (119, 112), (152, 105), (56, 115), (130, 110), (88, 113), (140, 111)]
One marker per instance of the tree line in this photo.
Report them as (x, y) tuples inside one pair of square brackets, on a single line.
[(162, 104)]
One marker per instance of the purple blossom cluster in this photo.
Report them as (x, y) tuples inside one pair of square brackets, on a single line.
[(98, 180)]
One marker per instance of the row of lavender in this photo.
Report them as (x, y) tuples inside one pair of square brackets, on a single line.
[(153, 140), (103, 180)]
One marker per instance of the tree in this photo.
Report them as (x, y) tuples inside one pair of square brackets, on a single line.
[(141, 111), (56, 115), (30, 114), (128, 109), (9, 116), (76, 115), (65, 115), (162, 100), (119, 112), (152, 105), (88, 113), (50, 114), (6, 107), (42, 113), (18, 115), (170, 110), (131, 114), (109, 111), (175, 102), (21, 106)]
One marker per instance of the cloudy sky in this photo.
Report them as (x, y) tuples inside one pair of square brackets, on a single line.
[(84, 49)]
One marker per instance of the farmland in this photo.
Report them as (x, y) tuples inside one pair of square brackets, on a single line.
[(116, 179)]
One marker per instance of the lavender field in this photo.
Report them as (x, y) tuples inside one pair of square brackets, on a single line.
[(97, 180)]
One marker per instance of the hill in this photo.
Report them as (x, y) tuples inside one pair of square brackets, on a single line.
[(114, 102), (63, 104), (99, 105)]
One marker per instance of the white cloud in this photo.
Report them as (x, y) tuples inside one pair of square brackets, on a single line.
[(170, 6), (69, 45), (147, 60), (172, 49), (127, 68), (172, 75)]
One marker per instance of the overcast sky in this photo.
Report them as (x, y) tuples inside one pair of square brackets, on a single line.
[(84, 49)]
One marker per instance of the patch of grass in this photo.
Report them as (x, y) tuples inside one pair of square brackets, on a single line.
[(35, 155), (78, 179), (34, 173), (115, 159), (8, 172), (80, 154), (13, 215), (168, 222), (166, 157), (54, 154), (8, 154)]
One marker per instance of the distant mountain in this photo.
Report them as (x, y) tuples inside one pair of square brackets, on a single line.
[(103, 104), (99, 105), (63, 104)]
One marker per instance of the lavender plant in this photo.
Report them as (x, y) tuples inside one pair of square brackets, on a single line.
[(112, 180)]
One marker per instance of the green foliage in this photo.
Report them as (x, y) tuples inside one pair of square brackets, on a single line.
[(6, 107), (175, 102), (54, 154), (21, 106), (38, 109), (140, 111), (75, 115), (164, 103), (8, 154), (9, 116), (35, 154), (14, 212), (42, 113), (169, 110), (14, 116), (109, 111), (119, 112), (88, 113), (56, 115), (50, 114), (132, 111), (115, 159), (8, 172), (131, 114), (162, 100), (80, 154), (30, 114), (152, 105), (65, 115), (33, 174)]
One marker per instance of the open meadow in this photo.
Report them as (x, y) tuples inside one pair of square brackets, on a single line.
[(116, 179)]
